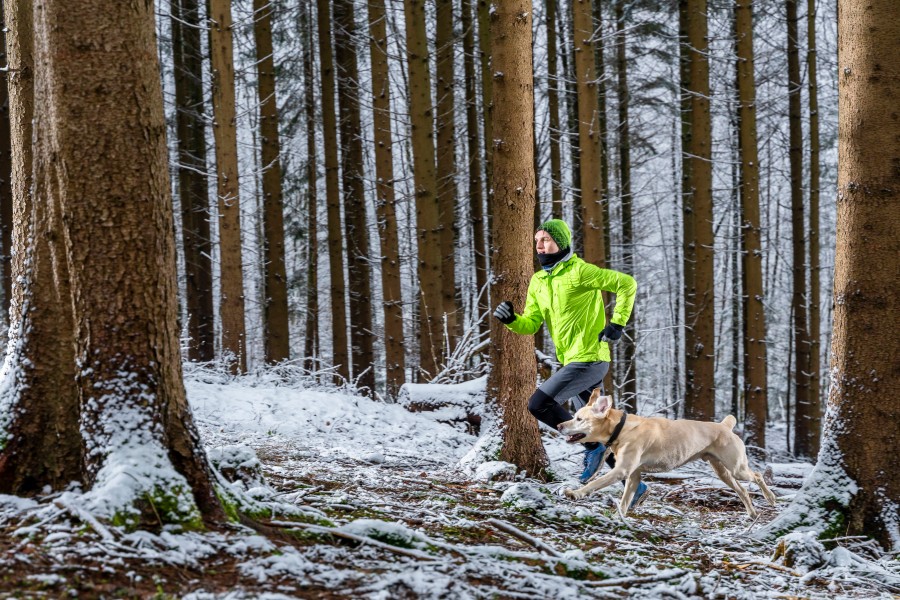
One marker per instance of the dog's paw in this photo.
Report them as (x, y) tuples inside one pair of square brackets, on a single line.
[(574, 494)]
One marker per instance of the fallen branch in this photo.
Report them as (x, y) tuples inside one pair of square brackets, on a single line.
[(760, 563), (86, 518), (510, 529), (355, 538), (623, 581)]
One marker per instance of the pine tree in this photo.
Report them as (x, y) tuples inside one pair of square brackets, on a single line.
[(311, 345), (394, 350), (754, 318), (231, 278), (275, 302), (553, 108), (513, 207)]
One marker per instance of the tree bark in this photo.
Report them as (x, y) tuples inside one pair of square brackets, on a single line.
[(588, 134), (445, 83), (553, 107), (803, 441), (864, 405), (487, 95), (699, 300), (359, 270), (815, 407), (231, 276), (427, 209), (311, 345), (476, 190), (385, 204), (599, 63), (340, 349), (626, 349), (275, 303), (509, 385), (40, 443), (754, 334), (6, 199), (120, 254)]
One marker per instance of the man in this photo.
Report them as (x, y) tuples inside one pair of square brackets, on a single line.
[(566, 293)]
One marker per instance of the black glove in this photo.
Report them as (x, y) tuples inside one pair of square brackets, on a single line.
[(611, 333), (504, 312)]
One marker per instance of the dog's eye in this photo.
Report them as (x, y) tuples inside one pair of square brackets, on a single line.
[(577, 418)]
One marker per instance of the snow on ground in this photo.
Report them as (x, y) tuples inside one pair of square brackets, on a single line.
[(372, 504)]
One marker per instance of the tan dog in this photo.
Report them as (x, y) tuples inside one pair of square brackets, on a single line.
[(656, 445)]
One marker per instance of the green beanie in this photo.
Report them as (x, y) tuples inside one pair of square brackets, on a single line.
[(559, 231)]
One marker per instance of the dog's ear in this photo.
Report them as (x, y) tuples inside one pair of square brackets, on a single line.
[(594, 395), (601, 406)]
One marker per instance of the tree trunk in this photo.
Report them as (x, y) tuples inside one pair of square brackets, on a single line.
[(6, 199), (311, 347), (600, 65), (815, 406), (553, 106), (427, 209), (340, 349), (487, 95), (588, 134), (476, 190), (626, 346), (193, 187), (40, 443), (865, 399), (359, 271), (509, 384), (394, 351), (275, 302), (445, 82), (754, 338), (120, 254), (802, 422), (699, 303), (231, 278)]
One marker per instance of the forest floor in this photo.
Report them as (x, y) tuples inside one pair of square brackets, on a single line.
[(365, 500)]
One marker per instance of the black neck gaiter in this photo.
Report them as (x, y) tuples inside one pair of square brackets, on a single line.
[(548, 261)]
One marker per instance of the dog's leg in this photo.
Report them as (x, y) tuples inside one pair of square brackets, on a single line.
[(625, 465), (631, 485), (726, 476), (744, 473)]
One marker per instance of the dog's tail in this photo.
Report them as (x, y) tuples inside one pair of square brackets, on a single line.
[(729, 421)]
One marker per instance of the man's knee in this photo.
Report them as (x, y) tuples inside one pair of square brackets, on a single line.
[(538, 402)]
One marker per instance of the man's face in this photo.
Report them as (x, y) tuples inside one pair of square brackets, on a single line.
[(544, 243)]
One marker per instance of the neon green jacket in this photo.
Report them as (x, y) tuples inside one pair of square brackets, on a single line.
[(568, 298)]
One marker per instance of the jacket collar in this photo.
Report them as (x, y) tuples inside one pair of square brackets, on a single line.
[(559, 266)]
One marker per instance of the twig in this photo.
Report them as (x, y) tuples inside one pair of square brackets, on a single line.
[(87, 518), (665, 575), (355, 538), (760, 563), (514, 531)]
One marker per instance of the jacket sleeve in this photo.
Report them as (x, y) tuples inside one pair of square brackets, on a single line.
[(531, 318), (622, 285)]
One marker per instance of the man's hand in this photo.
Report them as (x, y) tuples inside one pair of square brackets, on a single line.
[(504, 312), (611, 333)]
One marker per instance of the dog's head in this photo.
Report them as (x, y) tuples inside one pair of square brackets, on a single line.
[(590, 423)]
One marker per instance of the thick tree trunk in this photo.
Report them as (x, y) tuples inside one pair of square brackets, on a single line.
[(864, 406), (311, 345), (754, 338), (699, 301), (815, 406), (231, 276), (476, 190), (588, 134), (359, 270), (445, 83), (600, 65), (40, 443), (427, 209), (385, 205), (553, 107), (509, 385), (120, 251), (193, 187), (803, 418), (340, 348), (275, 303)]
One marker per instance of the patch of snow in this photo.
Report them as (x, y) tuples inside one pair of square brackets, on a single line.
[(494, 469)]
